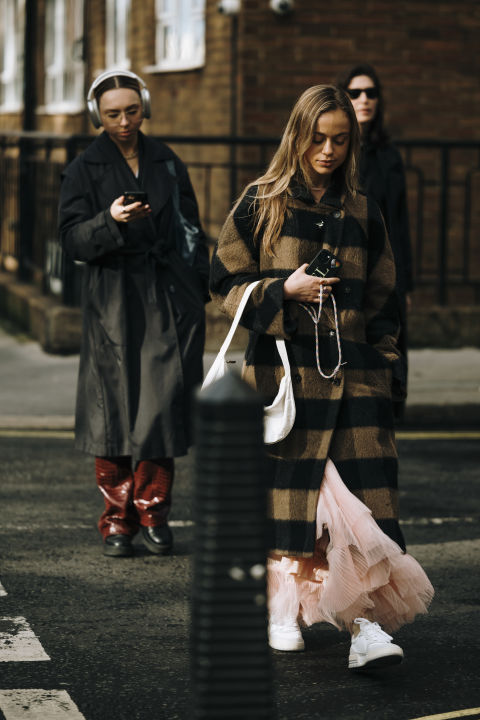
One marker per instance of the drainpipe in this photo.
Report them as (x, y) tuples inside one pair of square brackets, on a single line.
[(29, 94), (233, 106), (26, 193)]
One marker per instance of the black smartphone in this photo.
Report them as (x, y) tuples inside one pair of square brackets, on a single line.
[(133, 196), (324, 264)]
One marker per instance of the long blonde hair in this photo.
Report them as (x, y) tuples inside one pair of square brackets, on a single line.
[(288, 162)]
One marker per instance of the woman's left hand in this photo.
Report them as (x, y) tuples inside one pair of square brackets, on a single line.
[(126, 213)]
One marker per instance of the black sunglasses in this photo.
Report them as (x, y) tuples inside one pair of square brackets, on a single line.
[(370, 92)]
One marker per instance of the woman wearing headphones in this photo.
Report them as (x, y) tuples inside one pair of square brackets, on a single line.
[(128, 211)]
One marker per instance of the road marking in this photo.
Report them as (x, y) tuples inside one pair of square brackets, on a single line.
[(18, 642), (437, 434), (438, 521), (38, 705), (3, 592), (59, 434), (449, 715), (32, 527), (74, 526)]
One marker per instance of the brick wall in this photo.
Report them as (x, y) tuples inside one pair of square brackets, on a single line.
[(425, 51)]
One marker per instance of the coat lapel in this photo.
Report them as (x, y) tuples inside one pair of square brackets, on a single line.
[(332, 223), (157, 180), (114, 177)]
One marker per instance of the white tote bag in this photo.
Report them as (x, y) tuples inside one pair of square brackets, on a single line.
[(280, 415)]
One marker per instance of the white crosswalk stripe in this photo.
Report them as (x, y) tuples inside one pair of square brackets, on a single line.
[(3, 592), (18, 642), (38, 705)]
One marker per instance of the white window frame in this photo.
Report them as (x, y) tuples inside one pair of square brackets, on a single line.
[(12, 13), (117, 34), (64, 66), (179, 35)]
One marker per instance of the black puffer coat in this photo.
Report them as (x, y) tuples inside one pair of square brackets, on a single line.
[(144, 319)]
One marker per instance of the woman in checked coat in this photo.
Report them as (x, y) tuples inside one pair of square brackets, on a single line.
[(337, 469)]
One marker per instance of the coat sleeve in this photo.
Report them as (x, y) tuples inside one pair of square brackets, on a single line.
[(235, 264), (381, 303), (84, 234), (189, 209)]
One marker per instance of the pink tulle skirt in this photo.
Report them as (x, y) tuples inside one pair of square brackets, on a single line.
[(356, 570)]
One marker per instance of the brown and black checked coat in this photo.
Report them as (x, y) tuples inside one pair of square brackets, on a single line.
[(349, 418)]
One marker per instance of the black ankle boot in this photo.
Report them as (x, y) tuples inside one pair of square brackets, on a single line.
[(118, 546), (158, 540)]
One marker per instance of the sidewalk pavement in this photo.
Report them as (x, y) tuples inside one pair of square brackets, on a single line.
[(37, 390)]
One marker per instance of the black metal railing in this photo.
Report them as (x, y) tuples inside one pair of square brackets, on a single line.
[(443, 179)]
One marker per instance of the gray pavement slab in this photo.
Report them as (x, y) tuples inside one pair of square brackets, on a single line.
[(443, 377), (38, 390)]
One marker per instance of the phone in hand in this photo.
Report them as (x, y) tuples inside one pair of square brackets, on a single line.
[(133, 196), (324, 264)]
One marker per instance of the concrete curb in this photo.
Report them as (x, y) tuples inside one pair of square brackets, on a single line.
[(433, 417), (441, 417), (25, 423), (56, 327)]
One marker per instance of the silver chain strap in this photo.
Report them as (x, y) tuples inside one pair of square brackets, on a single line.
[(316, 319)]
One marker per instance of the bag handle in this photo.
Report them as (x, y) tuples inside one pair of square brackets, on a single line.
[(218, 368)]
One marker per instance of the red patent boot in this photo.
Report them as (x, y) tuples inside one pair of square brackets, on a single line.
[(119, 521), (152, 498)]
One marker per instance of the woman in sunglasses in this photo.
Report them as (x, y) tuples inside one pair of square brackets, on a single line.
[(382, 176)]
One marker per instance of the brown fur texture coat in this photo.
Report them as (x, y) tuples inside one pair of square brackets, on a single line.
[(349, 418)]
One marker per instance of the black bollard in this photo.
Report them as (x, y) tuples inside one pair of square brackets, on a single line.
[(231, 670)]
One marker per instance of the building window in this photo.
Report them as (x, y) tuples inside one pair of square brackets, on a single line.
[(180, 34), (117, 26), (11, 54), (64, 72)]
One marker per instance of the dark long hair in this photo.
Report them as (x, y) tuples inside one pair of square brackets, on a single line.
[(376, 133)]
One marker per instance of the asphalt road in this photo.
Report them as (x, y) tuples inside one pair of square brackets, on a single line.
[(117, 630)]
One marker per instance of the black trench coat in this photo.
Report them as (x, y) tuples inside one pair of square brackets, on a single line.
[(143, 305), (383, 178)]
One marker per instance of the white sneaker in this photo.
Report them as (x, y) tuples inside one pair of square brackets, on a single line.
[(285, 636), (372, 648)]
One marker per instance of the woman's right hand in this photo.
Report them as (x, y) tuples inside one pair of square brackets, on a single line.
[(306, 288), (126, 213)]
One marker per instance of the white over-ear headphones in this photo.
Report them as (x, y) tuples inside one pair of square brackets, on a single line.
[(92, 104)]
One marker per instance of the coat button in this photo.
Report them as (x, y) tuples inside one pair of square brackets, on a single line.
[(337, 214), (297, 377), (171, 288), (320, 224), (332, 333), (347, 289)]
